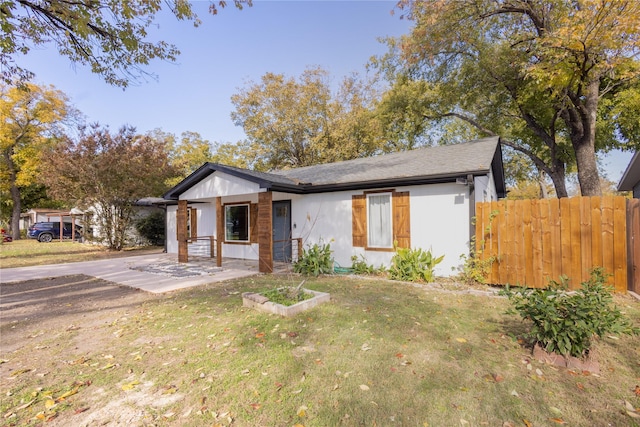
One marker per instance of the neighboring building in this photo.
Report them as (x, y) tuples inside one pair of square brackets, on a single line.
[(143, 207), (30, 217), (423, 198), (630, 180)]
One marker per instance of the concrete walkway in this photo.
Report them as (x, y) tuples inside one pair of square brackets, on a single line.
[(156, 273)]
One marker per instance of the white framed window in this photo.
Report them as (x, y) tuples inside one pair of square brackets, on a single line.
[(379, 220), (236, 220)]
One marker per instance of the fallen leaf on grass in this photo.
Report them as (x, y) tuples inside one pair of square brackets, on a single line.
[(260, 335), (81, 410), (302, 411), (364, 387), (67, 394), (26, 405), (629, 406), (637, 390), (527, 423), (256, 406), (493, 378), (20, 372), (170, 389), (107, 366), (558, 420), (462, 340), (365, 347), (130, 386), (399, 355), (49, 403), (555, 410)]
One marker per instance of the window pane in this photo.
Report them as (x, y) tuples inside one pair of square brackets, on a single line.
[(379, 221), (237, 223)]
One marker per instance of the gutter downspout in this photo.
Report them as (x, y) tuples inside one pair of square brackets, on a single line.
[(472, 211)]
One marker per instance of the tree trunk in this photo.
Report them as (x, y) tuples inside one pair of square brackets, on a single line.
[(15, 213), (15, 194), (558, 178), (582, 123), (588, 176)]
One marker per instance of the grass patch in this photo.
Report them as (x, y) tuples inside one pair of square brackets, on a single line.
[(28, 252), (381, 353), (286, 296)]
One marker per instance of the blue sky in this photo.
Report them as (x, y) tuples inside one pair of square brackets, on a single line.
[(225, 53)]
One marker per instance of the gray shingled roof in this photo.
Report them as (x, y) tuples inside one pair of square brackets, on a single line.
[(468, 157), (422, 165)]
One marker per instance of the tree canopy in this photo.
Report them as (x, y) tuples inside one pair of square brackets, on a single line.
[(110, 36), (108, 173), (300, 122), (31, 119), (555, 78)]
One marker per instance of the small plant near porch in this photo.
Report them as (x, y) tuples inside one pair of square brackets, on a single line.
[(565, 322), (413, 265), (315, 260)]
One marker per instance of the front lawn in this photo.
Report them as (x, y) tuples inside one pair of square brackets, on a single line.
[(380, 353)]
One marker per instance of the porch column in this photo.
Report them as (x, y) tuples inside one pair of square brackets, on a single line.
[(265, 233), (219, 231), (181, 228)]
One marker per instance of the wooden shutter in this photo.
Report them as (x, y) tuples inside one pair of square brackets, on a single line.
[(401, 219), (253, 219), (359, 220)]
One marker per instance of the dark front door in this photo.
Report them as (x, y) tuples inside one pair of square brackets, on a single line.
[(282, 231)]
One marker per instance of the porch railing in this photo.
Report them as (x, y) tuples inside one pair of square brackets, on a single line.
[(296, 247), (202, 246)]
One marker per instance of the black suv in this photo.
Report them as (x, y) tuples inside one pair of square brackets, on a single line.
[(47, 231)]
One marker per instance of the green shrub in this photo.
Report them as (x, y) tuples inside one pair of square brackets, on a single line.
[(474, 268), (566, 322), (359, 266), (414, 265), (151, 227), (315, 260)]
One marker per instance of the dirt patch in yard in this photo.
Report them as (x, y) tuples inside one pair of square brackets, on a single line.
[(28, 309), (55, 320)]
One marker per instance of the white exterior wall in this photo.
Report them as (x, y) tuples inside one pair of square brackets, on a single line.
[(171, 231), (485, 188), (439, 221), (220, 184)]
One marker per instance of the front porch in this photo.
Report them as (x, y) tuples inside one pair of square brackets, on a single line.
[(238, 233)]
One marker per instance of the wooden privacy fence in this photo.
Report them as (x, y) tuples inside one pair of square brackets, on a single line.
[(532, 241)]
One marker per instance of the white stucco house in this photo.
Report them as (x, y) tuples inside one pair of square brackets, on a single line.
[(423, 198), (630, 180)]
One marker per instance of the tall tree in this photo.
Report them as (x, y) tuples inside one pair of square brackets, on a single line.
[(291, 123), (110, 36), (31, 118), (535, 71), (109, 173), (185, 155)]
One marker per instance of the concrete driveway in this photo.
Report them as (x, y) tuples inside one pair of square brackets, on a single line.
[(156, 273)]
